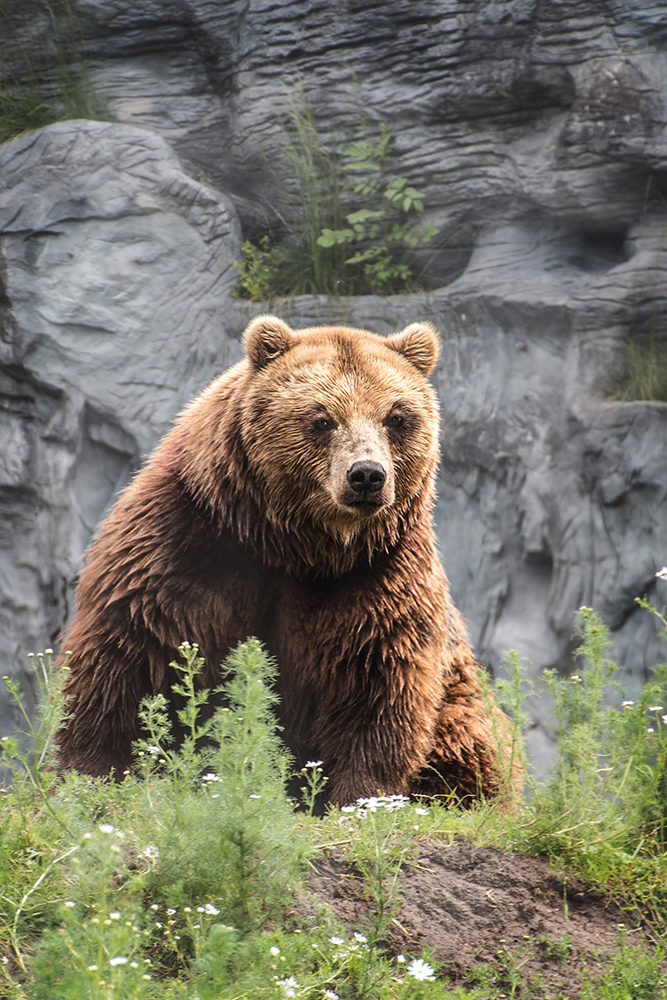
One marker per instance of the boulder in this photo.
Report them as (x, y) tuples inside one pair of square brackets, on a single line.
[(116, 267)]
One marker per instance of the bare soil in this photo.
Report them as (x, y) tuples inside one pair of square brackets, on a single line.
[(469, 905)]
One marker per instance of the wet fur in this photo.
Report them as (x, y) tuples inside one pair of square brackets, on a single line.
[(235, 527)]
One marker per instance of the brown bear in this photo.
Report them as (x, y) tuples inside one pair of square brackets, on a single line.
[(292, 502)]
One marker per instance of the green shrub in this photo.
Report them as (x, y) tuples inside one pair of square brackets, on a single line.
[(343, 238), (383, 231), (608, 787)]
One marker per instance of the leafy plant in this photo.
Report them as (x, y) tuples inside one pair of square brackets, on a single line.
[(558, 949), (380, 235), (608, 786), (239, 847), (379, 853), (341, 239)]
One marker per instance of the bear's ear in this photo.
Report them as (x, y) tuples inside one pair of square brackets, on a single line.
[(418, 343), (265, 339)]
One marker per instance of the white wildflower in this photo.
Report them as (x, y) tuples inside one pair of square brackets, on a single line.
[(69, 903), (118, 960), (662, 573), (313, 763), (421, 812), (288, 986), (330, 995), (211, 777), (400, 958), (92, 968), (254, 796), (387, 802), (106, 828), (211, 909), (650, 730), (115, 915), (627, 704), (336, 940), (419, 969), (151, 852), (360, 937), (656, 708), (274, 951)]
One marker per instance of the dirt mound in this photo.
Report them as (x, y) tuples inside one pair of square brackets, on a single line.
[(474, 905)]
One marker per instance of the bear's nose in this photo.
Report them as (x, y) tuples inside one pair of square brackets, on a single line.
[(366, 477)]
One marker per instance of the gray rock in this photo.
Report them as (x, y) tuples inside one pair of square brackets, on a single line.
[(538, 132), (116, 269)]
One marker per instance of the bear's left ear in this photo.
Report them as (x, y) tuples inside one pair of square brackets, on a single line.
[(419, 343), (265, 339)]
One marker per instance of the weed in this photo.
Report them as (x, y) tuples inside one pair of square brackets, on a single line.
[(382, 231), (647, 369), (343, 239), (509, 692), (315, 782), (512, 963), (43, 76), (558, 949), (610, 769), (635, 974), (379, 853)]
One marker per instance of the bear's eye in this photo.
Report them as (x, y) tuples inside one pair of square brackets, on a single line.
[(323, 424), (395, 420)]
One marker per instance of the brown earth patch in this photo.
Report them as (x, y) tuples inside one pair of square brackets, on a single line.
[(469, 905)]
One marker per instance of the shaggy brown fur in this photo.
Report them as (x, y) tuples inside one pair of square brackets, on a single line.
[(246, 522)]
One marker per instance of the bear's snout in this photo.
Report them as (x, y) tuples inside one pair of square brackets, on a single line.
[(366, 477)]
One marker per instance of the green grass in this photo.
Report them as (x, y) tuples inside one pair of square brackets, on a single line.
[(183, 881), (646, 376), (43, 74)]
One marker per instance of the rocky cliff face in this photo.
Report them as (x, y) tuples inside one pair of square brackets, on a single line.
[(538, 132)]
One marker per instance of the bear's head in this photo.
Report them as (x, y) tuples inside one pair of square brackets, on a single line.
[(339, 426)]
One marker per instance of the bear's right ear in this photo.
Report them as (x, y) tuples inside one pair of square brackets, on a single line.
[(265, 339)]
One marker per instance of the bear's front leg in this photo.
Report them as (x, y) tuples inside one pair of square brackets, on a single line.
[(105, 685), (471, 755), (377, 738)]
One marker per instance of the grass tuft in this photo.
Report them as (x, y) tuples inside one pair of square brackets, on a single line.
[(646, 377), (43, 73)]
